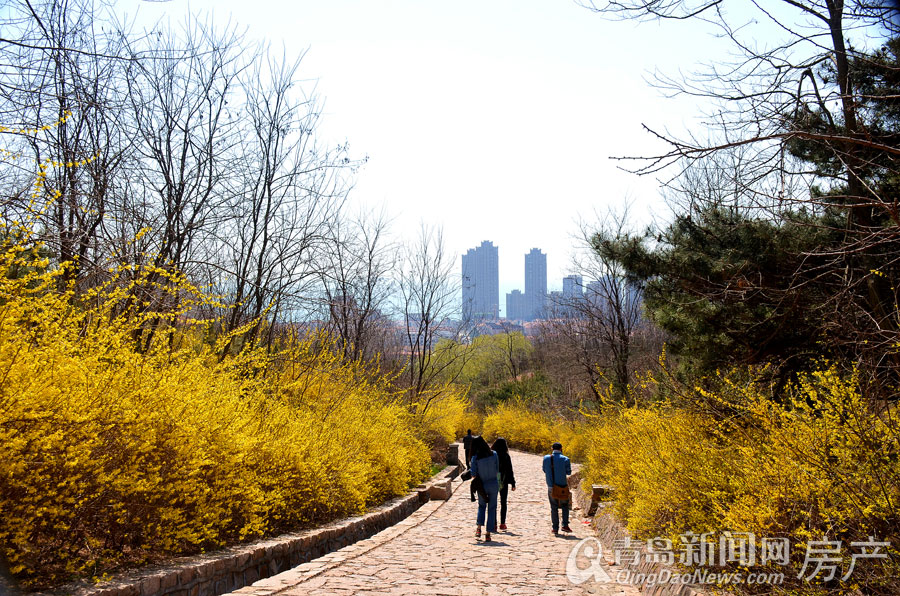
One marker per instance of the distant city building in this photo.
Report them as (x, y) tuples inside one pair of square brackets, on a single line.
[(595, 293), (481, 283), (611, 294), (573, 287), (572, 295), (495, 328), (516, 306), (535, 284)]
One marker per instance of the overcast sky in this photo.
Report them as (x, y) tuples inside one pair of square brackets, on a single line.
[(492, 118)]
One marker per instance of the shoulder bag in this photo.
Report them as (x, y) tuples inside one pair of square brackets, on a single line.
[(558, 492)]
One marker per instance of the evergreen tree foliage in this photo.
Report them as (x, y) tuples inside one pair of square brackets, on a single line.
[(817, 277), (723, 285)]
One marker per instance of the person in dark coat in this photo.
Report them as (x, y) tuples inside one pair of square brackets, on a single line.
[(507, 478), (467, 446), (485, 469)]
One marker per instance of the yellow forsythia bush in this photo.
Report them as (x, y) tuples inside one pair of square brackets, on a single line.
[(817, 463), (665, 474), (470, 420), (444, 415), (533, 431), (110, 456)]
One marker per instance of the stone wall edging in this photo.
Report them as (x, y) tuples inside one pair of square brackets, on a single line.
[(227, 570)]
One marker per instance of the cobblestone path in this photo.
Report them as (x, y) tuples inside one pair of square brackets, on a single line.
[(434, 551)]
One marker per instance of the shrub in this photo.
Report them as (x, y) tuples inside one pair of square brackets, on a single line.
[(529, 389), (533, 431), (818, 463), (471, 420), (444, 416), (110, 456)]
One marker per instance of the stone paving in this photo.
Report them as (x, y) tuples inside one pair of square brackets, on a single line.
[(435, 552)]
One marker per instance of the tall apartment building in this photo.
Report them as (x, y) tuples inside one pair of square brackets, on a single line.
[(573, 287), (515, 306), (623, 295), (535, 284), (481, 283), (596, 293)]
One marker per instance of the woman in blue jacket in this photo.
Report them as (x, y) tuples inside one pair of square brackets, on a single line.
[(485, 466)]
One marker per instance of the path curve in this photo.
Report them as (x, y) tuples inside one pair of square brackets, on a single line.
[(434, 552)]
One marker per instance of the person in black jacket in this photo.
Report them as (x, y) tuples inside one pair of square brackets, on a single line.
[(507, 478)]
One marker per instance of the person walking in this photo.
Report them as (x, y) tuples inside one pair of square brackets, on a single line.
[(507, 478), (485, 466), (557, 469), (467, 446)]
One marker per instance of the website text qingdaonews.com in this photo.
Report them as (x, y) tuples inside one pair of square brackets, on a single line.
[(699, 576)]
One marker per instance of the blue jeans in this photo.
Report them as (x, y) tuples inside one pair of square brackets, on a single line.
[(491, 506), (555, 506)]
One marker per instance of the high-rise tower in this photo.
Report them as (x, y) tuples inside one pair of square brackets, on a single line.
[(515, 306), (481, 283), (535, 284), (573, 287)]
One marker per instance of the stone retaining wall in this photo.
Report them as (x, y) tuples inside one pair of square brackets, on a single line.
[(228, 570)]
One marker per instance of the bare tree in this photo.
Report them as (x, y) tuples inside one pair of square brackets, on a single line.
[(802, 124), (62, 66), (179, 112), (357, 286), (595, 334), (286, 194), (769, 82), (184, 150), (184, 145), (426, 306)]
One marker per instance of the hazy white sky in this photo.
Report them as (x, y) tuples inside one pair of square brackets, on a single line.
[(493, 118)]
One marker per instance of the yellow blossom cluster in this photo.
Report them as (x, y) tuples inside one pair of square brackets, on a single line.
[(43, 166), (818, 462), (22, 130), (125, 435), (529, 430), (442, 414), (6, 153)]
